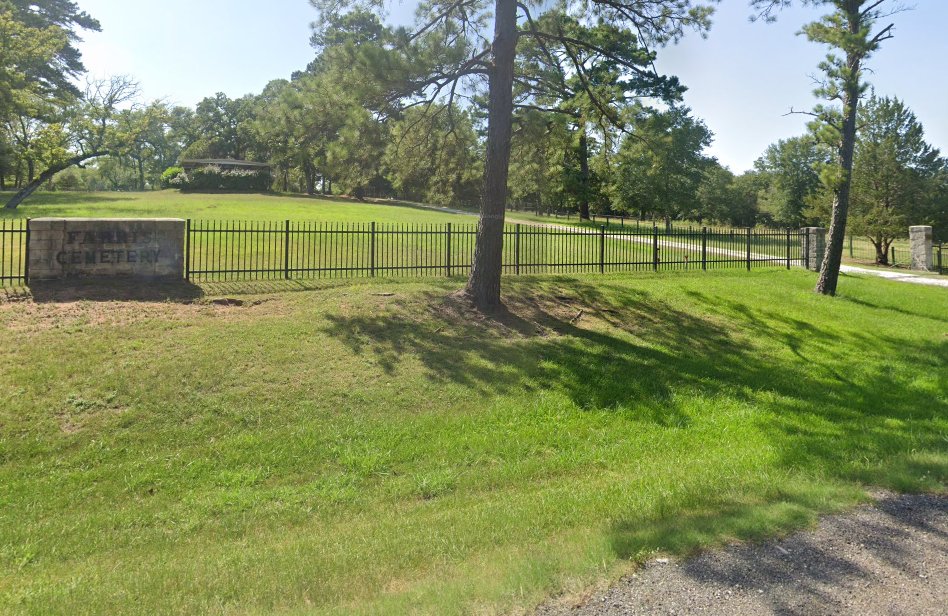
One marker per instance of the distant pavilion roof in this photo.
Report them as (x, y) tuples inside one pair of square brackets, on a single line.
[(224, 163)]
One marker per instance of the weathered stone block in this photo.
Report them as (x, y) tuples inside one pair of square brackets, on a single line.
[(920, 245), (147, 248), (814, 247)]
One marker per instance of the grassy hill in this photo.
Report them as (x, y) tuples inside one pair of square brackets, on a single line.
[(376, 448)]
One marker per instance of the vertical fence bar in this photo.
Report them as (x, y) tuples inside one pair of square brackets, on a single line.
[(286, 250), (3, 250), (602, 247), (517, 248), (654, 248), (447, 250), (788, 248), (806, 249), (187, 249), (850, 246), (704, 249), (372, 250), (748, 249), (26, 253)]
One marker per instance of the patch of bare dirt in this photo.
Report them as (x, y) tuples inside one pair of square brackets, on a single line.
[(30, 316)]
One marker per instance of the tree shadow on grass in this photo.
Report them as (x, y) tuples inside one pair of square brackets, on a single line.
[(538, 344), (833, 408), (900, 309), (796, 574)]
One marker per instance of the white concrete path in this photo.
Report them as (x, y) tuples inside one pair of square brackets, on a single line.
[(941, 281), (849, 269)]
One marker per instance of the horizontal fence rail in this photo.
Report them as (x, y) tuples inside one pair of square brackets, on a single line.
[(232, 250), (14, 235)]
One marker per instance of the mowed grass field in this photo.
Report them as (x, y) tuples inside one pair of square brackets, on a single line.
[(376, 448), (225, 206)]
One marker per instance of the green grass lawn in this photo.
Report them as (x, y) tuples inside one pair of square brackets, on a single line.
[(376, 448), (227, 206)]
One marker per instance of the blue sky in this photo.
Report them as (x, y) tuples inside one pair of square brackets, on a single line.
[(742, 79)]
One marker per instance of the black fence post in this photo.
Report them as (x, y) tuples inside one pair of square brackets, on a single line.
[(447, 244), (748, 249), (806, 249), (892, 253), (850, 245), (517, 248), (654, 247), (602, 248), (26, 253), (286, 250), (704, 249), (788, 248), (372, 251), (187, 249), (940, 248)]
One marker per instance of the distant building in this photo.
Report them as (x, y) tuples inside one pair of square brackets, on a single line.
[(225, 164), (223, 174)]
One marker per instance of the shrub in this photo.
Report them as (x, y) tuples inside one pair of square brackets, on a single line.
[(215, 178), (170, 177)]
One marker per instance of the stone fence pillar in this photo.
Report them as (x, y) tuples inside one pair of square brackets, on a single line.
[(920, 245), (814, 247)]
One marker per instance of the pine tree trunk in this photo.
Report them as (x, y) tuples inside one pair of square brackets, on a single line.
[(583, 174), (483, 286), (832, 259), (47, 175)]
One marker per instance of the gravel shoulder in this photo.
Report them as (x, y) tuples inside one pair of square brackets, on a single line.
[(890, 557)]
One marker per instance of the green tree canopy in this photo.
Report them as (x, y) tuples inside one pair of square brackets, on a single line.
[(895, 173), (791, 170), (662, 164)]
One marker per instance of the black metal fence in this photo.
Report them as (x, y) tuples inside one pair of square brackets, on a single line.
[(14, 266), (239, 250), (233, 250)]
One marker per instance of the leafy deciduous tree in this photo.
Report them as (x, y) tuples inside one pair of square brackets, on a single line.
[(895, 173)]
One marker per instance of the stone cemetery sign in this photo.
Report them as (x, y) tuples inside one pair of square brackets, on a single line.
[(147, 248)]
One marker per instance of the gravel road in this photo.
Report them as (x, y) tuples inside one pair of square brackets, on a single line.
[(887, 558)]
